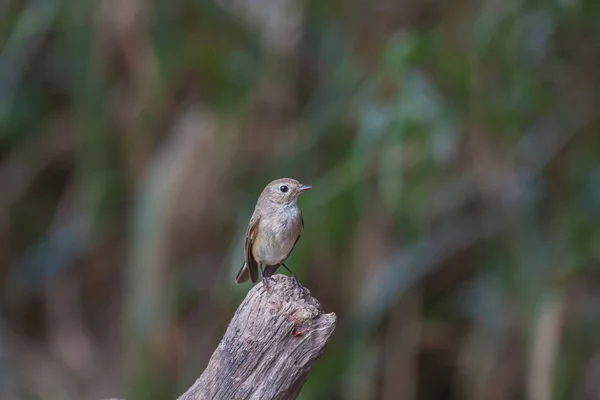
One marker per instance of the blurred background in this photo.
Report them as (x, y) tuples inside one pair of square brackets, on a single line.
[(454, 151)]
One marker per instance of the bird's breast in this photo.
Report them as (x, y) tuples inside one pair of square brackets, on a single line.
[(277, 234)]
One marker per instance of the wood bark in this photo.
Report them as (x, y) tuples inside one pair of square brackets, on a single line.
[(270, 346)]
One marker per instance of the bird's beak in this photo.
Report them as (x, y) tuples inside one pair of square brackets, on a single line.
[(304, 188)]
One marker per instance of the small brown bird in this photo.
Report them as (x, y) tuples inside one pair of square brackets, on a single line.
[(274, 229)]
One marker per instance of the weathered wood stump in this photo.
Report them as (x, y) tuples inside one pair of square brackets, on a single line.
[(269, 348)]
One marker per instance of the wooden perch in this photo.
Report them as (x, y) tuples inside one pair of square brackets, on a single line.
[(269, 348)]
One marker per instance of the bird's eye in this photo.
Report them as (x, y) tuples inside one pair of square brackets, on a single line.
[(283, 188)]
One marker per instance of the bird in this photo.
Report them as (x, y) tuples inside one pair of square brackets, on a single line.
[(273, 231)]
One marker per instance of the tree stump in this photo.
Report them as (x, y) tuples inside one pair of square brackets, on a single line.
[(269, 348)]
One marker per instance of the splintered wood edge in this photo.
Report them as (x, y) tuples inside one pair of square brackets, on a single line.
[(273, 340)]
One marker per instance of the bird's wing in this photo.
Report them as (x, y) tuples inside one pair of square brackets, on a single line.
[(250, 266), (298, 237)]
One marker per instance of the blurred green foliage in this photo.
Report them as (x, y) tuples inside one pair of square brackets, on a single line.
[(453, 227)]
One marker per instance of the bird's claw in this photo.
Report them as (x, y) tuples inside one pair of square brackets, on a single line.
[(265, 281), (298, 284)]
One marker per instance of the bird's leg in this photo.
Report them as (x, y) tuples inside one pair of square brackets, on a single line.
[(265, 279), (296, 281)]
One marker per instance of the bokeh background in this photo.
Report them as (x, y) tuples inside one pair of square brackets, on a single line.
[(454, 150)]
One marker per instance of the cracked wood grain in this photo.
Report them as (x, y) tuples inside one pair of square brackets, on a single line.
[(269, 348)]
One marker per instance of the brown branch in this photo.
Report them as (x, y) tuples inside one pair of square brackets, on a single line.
[(269, 348)]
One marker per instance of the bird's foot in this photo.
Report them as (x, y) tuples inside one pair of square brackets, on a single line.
[(298, 284), (265, 281), (296, 281)]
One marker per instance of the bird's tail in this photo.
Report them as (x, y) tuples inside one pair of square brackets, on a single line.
[(270, 270), (243, 275)]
